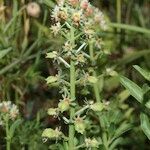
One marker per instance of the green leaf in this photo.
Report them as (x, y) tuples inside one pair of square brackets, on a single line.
[(115, 143), (143, 72), (132, 57), (148, 104), (130, 28), (133, 88), (124, 127), (4, 52), (14, 126), (145, 124)]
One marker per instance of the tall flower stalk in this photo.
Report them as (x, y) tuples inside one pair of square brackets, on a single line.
[(78, 22), (72, 93)]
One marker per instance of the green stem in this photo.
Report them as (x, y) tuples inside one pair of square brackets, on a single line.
[(7, 134), (72, 94), (2, 13), (72, 110), (118, 17), (96, 89), (95, 85)]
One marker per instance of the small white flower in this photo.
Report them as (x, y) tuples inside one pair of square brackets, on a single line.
[(99, 18), (84, 4), (68, 47), (6, 107), (14, 111), (55, 13), (60, 2), (56, 28)]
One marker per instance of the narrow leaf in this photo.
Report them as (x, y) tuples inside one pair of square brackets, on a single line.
[(4, 52), (14, 126), (145, 124), (143, 72), (133, 88)]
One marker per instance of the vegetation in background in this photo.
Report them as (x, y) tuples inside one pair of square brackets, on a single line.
[(26, 37)]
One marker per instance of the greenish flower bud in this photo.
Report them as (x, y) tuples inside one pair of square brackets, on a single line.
[(97, 106), (51, 54), (80, 125), (52, 134), (51, 79), (91, 143), (64, 105), (111, 72), (92, 79), (53, 111)]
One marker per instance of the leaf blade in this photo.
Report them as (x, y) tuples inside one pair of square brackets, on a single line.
[(145, 124), (143, 72), (133, 88)]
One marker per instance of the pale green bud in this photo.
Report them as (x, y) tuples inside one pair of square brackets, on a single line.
[(51, 54), (51, 79), (53, 111), (64, 104), (52, 134), (80, 125), (91, 143), (92, 79)]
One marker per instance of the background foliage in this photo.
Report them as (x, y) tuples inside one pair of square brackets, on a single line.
[(24, 41)]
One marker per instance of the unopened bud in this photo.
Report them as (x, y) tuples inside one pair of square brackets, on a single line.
[(91, 143), (64, 104), (52, 134), (33, 9), (80, 125)]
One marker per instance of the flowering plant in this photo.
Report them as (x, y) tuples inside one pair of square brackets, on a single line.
[(75, 21), (78, 23)]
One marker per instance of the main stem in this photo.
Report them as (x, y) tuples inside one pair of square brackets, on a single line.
[(95, 85), (72, 94)]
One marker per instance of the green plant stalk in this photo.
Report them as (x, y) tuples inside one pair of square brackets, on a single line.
[(118, 17), (7, 134), (130, 28), (72, 94), (3, 15), (95, 85)]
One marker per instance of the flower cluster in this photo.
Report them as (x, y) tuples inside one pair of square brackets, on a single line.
[(8, 109), (81, 13)]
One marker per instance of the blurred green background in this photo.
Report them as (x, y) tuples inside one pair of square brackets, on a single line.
[(24, 41)]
